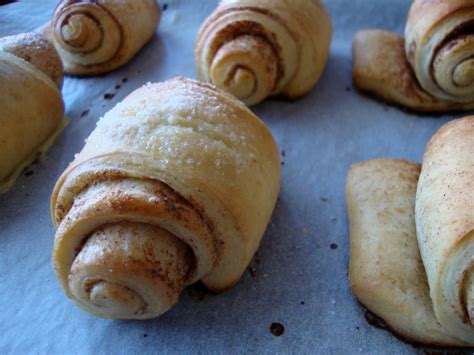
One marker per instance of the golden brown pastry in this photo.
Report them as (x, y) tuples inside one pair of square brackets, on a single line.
[(31, 105), (255, 49), (431, 69), (176, 184), (386, 270), (95, 37), (445, 225)]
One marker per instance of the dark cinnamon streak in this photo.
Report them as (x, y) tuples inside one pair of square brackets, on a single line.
[(463, 30), (246, 27), (122, 202), (463, 280), (64, 6)]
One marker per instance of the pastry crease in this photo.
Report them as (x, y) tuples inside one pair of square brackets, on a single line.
[(412, 239)]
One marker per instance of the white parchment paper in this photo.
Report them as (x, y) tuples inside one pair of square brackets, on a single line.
[(298, 279)]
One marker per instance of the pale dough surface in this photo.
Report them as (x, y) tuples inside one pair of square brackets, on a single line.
[(386, 270)]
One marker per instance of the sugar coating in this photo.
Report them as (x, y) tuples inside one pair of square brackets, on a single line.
[(186, 123)]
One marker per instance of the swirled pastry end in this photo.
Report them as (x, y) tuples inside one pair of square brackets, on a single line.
[(380, 67)]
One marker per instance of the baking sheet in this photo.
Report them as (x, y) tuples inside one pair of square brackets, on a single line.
[(299, 277)]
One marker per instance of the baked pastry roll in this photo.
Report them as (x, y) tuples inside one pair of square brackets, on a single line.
[(255, 49), (31, 105), (431, 69), (96, 37), (176, 184), (394, 214), (445, 225)]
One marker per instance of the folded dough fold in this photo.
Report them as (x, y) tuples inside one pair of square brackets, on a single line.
[(431, 70), (403, 223), (445, 224), (255, 49), (178, 163)]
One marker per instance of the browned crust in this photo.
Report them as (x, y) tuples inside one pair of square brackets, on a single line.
[(408, 338), (380, 68)]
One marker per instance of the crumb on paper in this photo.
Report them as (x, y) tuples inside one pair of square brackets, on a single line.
[(253, 272), (257, 258), (254, 265), (199, 292), (277, 329), (374, 320)]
